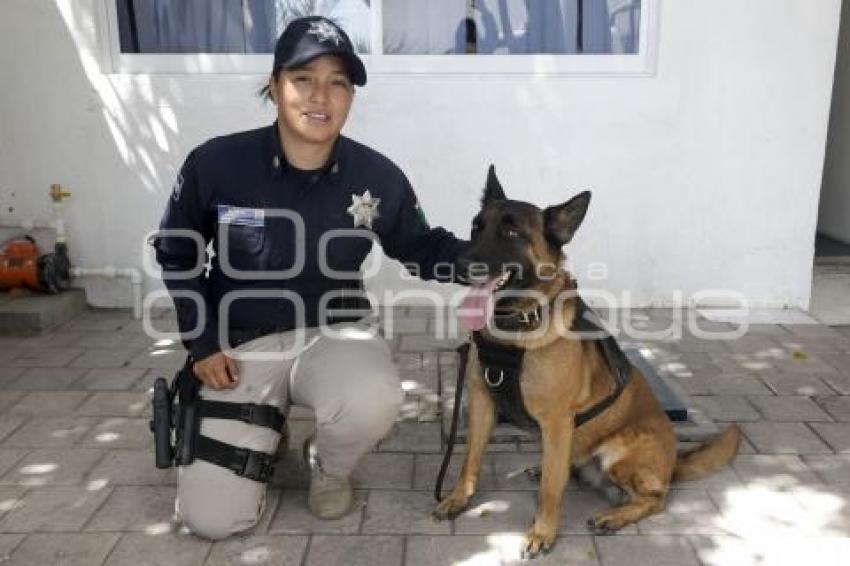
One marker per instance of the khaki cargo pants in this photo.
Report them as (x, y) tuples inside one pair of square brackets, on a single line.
[(347, 378)]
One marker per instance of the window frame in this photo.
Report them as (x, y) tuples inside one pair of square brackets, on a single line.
[(641, 64)]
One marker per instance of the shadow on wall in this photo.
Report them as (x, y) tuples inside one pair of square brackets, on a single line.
[(142, 126), (107, 138), (125, 160), (115, 140)]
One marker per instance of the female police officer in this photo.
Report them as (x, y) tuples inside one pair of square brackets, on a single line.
[(268, 200)]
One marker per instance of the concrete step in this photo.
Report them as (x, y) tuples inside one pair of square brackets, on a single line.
[(24, 313)]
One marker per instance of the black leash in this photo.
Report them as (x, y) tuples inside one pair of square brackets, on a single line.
[(463, 350)]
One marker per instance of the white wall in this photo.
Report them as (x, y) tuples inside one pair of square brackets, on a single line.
[(834, 216), (704, 176)]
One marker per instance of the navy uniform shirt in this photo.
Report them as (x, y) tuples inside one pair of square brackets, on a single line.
[(266, 222)]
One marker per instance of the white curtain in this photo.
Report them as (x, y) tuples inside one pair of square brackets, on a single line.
[(511, 26), (410, 26), (227, 26)]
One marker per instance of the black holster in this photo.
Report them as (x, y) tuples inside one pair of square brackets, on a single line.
[(175, 421)]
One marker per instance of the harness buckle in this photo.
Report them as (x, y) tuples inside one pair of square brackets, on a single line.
[(256, 466), (247, 412), (491, 383)]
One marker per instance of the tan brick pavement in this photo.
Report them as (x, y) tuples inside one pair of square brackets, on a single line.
[(78, 485)]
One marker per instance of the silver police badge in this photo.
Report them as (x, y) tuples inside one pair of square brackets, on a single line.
[(325, 32), (364, 209)]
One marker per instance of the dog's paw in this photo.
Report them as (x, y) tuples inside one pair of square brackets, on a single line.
[(449, 508), (602, 526), (538, 541)]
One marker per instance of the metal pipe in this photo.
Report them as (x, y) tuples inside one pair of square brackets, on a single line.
[(27, 224)]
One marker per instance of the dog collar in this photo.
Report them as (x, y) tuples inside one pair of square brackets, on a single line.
[(518, 320)]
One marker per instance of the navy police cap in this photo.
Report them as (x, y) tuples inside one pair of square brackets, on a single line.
[(304, 39)]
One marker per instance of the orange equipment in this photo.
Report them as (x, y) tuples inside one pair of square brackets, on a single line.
[(22, 265)]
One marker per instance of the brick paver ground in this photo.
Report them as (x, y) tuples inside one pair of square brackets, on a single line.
[(78, 485)]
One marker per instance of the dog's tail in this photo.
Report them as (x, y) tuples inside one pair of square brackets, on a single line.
[(710, 457)]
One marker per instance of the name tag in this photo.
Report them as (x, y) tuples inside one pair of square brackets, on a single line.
[(240, 215)]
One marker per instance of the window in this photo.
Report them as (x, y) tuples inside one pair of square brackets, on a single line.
[(228, 26), (511, 26), (394, 36)]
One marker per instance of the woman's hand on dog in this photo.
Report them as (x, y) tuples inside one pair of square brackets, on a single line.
[(217, 371)]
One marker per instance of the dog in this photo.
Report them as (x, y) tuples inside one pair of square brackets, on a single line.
[(622, 431)]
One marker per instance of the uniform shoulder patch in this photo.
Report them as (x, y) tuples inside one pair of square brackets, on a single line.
[(178, 187)]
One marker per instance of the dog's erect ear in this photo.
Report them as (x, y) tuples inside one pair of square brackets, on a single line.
[(493, 189), (561, 222)]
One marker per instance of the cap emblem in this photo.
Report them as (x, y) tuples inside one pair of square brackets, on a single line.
[(324, 32)]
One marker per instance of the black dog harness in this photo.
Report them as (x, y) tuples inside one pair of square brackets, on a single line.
[(501, 367)]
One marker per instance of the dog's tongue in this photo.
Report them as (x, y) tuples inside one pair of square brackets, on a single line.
[(477, 306)]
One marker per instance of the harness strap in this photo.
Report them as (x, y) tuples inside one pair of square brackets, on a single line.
[(587, 321), (600, 407), (251, 464), (244, 462), (251, 413)]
